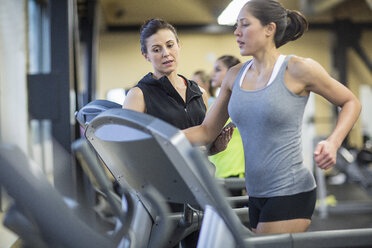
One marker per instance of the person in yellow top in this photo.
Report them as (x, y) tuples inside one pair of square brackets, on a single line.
[(230, 162)]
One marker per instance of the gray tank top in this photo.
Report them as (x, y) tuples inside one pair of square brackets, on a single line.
[(270, 121)]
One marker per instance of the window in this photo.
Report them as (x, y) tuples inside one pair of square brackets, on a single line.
[(38, 37)]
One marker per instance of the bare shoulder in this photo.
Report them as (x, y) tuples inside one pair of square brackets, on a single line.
[(303, 69), (311, 75), (231, 75), (135, 92), (135, 100)]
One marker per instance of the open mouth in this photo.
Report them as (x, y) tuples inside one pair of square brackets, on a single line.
[(168, 62), (240, 43)]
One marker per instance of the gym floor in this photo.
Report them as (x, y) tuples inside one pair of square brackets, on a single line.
[(348, 194), (354, 201)]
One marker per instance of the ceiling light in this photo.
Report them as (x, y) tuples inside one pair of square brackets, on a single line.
[(369, 2), (230, 13)]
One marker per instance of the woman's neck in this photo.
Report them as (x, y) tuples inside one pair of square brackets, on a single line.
[(265, 61), (158, 75), (173, 77)]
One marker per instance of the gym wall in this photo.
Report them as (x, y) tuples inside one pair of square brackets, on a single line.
[(121, 64)]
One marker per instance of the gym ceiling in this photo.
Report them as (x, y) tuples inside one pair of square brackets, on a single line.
[(129, 14)]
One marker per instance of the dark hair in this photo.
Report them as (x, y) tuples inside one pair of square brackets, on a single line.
[(151, 27), (290, 24), (229, 60)]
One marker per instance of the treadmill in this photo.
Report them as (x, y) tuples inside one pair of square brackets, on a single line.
[(142, 151)]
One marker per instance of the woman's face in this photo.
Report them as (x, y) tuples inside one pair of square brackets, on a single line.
[(163, 52), (250, 34), (218, 73)]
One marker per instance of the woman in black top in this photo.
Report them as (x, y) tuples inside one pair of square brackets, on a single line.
[(163, 93), (167, 95)]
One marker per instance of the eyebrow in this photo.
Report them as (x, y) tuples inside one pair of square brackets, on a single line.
[(241, 19), (157, 45)]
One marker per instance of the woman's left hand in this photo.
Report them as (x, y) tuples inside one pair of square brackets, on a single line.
[(325, 154), (220, 143)]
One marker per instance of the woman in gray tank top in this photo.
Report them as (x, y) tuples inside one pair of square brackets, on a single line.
[(266, 98)]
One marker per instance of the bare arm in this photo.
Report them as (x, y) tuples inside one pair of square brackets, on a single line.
[(317, 80), (135, 100), (217, 115)]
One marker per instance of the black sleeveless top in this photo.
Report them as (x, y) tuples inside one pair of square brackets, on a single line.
[(163, 101)]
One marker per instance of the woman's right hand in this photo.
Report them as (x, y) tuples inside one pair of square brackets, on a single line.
[(325, 154), (222, 140)]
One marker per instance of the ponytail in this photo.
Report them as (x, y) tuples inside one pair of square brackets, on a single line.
[(297, 25)]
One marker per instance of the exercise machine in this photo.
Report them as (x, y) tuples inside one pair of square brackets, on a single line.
[(40, 215), (155, 153)]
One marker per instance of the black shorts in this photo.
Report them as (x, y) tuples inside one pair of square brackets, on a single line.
[(298, 206)]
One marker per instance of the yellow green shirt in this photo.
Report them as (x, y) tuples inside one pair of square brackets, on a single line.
[(230, 162)]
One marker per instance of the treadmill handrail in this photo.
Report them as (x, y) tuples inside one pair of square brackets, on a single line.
[(33, 193)]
